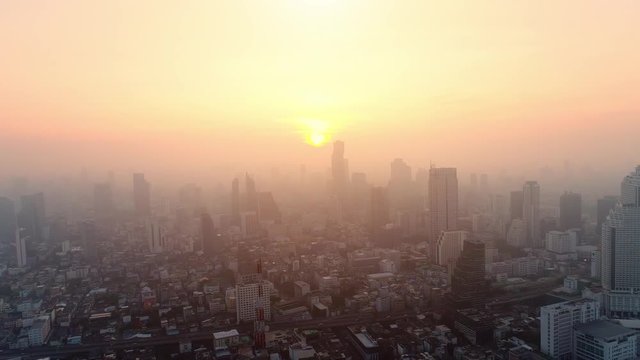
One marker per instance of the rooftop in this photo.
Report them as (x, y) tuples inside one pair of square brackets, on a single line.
[(604, 329)]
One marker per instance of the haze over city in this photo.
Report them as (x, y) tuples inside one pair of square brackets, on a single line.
[(319, 179)]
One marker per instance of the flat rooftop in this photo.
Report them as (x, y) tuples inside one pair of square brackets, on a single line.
[(604, 329)]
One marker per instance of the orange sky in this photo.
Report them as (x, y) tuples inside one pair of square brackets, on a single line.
[(475, 84)]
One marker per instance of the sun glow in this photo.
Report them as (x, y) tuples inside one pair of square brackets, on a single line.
[(316, 132)]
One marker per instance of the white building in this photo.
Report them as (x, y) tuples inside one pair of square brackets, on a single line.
[(561, 242), (620, 252), (604, 340), (226, 338), (531, 213), (249, 297), (449, 247), (557, 322)]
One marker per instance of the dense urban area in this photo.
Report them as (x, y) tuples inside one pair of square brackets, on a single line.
[(322, 266)]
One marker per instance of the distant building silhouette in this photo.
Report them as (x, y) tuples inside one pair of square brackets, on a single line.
[(32, 216), (379, 216), (7, 220), (531, 213), (141, 195), (208, 237), (516, 205), (570, 211), (103, 200), (468, 284), (21, 248), (156, 236), (235, 201), (339, 177), (443, 203)]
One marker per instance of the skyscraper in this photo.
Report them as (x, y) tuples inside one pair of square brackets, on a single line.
[(251, 203), (7, 220), (570, 211), (605, 205), (468, 285), (443, 202), (400, 188), (235, 201), (141, 195), (531, 212), (207, 235), (516, 205), (32, 216), (21, 248), (379, 209), (450, 246), (621, 252)]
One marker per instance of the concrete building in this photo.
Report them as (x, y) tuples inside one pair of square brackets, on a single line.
[(557, 322), (300, 289), (620, 244), (21, 248), (517, 234), (156, 237), (604, 340), (248, 297), (141, 195), (561, 242)]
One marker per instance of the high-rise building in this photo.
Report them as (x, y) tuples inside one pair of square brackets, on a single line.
[(621, 251), (249, 224), (605, 205), (557, 322), (7, 220), (570, 211), (379, 209), (400, 188), (32, 216), (450, 246), (235, 201), (251, 203), (604, 340), (103, 200), (516, 205), (156, 237), (468, 284), (208, 236), (253, 296), (531, 212), (21, 248), (443, 202), (141, 195)]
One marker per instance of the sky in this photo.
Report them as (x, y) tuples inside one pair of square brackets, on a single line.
[(186, 85)]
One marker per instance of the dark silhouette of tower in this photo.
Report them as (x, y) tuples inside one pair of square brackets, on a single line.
[(235, 201), (570, 211), (468, 283), (379, 209), (516, 205), (7, 220), (208, 235), (32, 216)]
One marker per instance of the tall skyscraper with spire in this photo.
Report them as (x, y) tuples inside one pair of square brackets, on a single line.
[(443, 203), (621, 252), (531, 213)]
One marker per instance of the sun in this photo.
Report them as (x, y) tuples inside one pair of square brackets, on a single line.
[(316, 132)]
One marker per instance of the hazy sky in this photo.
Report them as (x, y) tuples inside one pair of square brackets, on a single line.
[(186, 84)]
